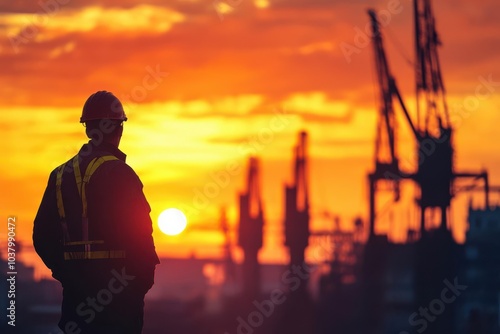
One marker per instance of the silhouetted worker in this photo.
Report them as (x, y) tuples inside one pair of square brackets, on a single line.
[(94, 232)]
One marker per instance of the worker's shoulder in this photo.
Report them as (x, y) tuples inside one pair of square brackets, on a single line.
[(66, 165), (119, 169), (118, 165)]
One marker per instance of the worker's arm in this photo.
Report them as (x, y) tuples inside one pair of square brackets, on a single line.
[(47, 230), (129, 212)]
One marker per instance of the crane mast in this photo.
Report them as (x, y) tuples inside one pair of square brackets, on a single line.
[(251, 223), (297, 206), (434, 148)]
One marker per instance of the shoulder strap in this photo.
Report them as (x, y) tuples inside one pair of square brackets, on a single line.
[(60, 204), (91, 168), (78, 175)]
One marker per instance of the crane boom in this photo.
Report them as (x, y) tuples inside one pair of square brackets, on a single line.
[(388, 90), (430, 90)]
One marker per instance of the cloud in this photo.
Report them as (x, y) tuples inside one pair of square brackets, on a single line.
[(237, 106), (141, 19), (325, 46), (270, 52), (66, 48), (315, 107), (215, 67), (231, 106)]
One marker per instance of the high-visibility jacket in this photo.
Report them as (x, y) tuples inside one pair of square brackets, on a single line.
[(102, 222)]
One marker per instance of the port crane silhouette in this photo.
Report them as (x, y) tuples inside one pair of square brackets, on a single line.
[(435, 175)]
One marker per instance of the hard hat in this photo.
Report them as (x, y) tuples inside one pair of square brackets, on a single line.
[(102, 105)]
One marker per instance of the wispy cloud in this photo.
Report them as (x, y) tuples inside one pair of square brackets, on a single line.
[(141, 19)]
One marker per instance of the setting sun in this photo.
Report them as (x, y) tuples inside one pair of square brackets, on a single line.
[(172, 221)]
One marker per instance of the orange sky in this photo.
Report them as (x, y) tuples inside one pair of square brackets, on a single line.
[(201, 80)]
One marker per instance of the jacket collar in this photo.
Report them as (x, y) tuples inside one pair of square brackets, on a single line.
[(92, 147)]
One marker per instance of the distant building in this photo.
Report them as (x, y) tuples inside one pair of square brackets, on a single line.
[(479, 307)]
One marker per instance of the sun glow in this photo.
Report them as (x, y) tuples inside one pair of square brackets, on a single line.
[(172, 221), (261, 3)]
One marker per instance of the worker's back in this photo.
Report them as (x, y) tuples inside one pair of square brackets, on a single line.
[(94, 232)]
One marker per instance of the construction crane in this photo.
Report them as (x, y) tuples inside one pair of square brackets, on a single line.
[(433, 132), (299, 307), (436, 252), (297, 205), (251, 223)]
